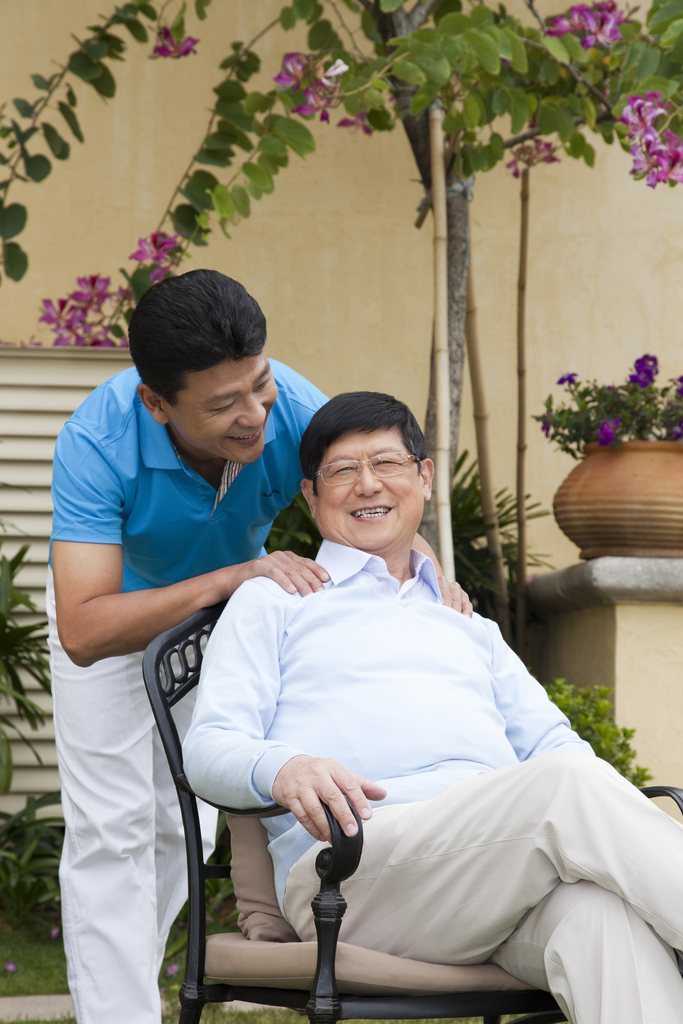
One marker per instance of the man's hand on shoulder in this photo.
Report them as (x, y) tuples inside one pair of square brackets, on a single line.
[(291, 571), (455, 597), (304, 781)]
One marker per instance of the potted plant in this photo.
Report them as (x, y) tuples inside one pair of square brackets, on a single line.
[(626, 495)]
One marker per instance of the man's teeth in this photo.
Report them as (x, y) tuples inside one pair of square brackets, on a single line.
[(370, 513)]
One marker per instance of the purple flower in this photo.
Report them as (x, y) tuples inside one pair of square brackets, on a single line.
[(607, 432), (679, 381), (640, 113), (10, 966), (546, 426), (568, 378), (358, 121), (531, 153), (646, 369), (54, 934), (159, 248), (93, 290), (321, 87), (173, 969), (284, 80), (597, 24), (677, 431), (167, 46)]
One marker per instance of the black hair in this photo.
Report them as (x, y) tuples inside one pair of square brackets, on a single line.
[(190, 323), (366, 411)]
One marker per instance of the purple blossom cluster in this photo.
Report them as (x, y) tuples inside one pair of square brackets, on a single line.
[(646, 369), (597, 25), (320, 86), (168, 46), (536, 151), (159, 249), (657, 155), (81, 318)]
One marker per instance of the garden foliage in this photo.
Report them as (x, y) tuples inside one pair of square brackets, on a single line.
[(591, 715), (30, 848)]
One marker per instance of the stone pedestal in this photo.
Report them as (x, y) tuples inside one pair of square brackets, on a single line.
[(618, 622)]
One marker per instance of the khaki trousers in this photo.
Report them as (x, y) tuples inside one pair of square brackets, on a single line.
[(557, 869)]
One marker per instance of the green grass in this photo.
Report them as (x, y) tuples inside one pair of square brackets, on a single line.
[(40, 960)]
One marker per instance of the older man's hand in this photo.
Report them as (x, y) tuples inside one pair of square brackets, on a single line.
[(304, 781), (455, 597)]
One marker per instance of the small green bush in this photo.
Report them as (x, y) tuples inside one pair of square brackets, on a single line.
[(30, 848), (592, 717)]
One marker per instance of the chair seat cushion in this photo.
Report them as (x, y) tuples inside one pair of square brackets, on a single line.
[(232, 958)]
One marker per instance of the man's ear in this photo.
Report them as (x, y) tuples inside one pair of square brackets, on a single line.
[(427, 476), (311, 498), (153, 403)]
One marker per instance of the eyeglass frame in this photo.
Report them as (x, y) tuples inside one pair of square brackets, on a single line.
[(367, 462)]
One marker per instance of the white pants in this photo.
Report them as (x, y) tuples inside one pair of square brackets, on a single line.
[(123, 869), (557, 869)]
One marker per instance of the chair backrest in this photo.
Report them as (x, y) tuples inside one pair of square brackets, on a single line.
[(171, 667)]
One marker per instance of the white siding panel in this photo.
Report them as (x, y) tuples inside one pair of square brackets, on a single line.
[(39, 389)]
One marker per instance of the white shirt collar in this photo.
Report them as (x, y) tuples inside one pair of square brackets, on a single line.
[(343, 562)]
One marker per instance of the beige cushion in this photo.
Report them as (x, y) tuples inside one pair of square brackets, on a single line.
[(232, 958), (251, 870)]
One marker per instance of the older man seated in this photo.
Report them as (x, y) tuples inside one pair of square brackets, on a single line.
[(492, 833)]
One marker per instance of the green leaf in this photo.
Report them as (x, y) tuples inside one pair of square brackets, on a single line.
[(95, 48), (673, 32), (588, 109), (221, 141), (222, 202), (589, 154), (71, 119), (197, 187), (481, 16), (473, 110), (235, 113), (259, 176), (43, 83), (230, 91), (24, 107), (240, 198), (149, 11), (6, 766), (12, 220), (71, 96), (84, 67), (104, 83), (57, 144), (271, 144), (184, 219), (200, 8), (253, 188), (519, 58), (381, 120), (519, 113), (213, 157), (406, 71), (501, 41), (423, 98), (453, 122), (323, 37), (661, 16), (15, 260), (270, 163), (136, 29), (648, 63), (656, 83), (296, 135), (576, 145), (390, 5), (573, 47), (140, 283), (37, 167), (435, 66), (454, 24), (556, 48), (304, 9), (485, 49), (256, 103), (287, 18)]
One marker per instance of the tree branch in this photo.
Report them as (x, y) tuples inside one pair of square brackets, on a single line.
[(517, 140), (537, 16), (420, 13)]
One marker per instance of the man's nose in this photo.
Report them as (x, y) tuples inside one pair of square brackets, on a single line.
[(367, 482), (252, 413)]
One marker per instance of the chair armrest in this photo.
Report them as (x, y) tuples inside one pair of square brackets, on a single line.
[(674, 792), (333, 864)]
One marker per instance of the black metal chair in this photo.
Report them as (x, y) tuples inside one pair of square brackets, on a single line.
[(171, 668)]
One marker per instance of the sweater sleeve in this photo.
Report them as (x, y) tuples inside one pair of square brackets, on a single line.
[(533, 724), (227, 758)]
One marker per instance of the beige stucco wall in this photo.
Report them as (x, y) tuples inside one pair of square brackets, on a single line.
[(333, 256)]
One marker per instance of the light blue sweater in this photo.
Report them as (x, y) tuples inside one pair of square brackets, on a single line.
[(395, 686)]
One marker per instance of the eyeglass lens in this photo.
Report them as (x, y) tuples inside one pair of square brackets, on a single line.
[(387, 464)]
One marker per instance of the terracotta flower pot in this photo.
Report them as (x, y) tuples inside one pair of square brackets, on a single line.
[(625, 501)]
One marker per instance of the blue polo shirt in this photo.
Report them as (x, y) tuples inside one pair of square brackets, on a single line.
[(117, 480)]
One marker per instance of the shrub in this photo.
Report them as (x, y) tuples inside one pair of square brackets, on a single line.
[(592, 717), (30, 848)]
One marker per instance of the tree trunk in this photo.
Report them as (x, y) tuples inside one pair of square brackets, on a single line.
[(520, 616)]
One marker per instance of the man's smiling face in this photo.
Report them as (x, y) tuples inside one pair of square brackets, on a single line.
[(376, 515), (221, 413)]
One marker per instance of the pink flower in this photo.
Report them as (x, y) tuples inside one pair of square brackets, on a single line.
[(10, 966), (54, 934), (173, 969), (597, 24), (159, 249), (321, 88), (93, 290), (641, 112), (650, 157), (531, 153), (167, 46), (674, 150), (360, 120)]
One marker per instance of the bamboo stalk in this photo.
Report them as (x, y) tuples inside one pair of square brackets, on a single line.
[(521, 417), (441, 358), (488, 500)]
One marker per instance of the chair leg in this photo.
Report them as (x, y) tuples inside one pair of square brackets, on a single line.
[(190, 1014)]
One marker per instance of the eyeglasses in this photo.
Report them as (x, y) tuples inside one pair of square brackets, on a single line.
[(347, 471)]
